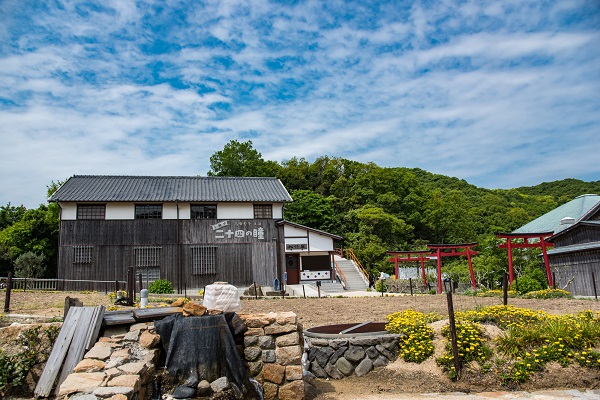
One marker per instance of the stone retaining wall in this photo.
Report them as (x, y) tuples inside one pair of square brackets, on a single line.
[(339, 358), (122, 364)]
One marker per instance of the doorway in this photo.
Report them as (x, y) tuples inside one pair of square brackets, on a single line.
[(292, 267)]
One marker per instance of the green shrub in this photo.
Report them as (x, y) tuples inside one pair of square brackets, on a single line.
[(35, 348), (161, 286), (526, 284)]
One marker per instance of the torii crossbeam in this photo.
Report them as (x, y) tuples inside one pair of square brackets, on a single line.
[(540, 243), (453, 250), (410, 256)]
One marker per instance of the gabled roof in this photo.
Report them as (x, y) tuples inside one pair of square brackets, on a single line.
[(102, 188), (579, 208), (574, 248), (307, 228)]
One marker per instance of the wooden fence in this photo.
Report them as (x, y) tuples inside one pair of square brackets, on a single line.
[(61, 284)]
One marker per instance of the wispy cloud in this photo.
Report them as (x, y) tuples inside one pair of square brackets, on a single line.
[(501, 94)]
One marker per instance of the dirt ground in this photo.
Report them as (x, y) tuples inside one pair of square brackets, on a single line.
[(397, 378)]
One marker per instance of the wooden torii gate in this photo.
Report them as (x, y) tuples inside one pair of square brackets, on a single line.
[(541, 243), (455, 250), (410, 256)]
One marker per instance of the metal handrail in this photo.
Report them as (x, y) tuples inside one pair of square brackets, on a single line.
[(340, 275), (351, 256)]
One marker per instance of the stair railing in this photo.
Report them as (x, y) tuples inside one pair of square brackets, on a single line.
[(349, 254), (340, 276)]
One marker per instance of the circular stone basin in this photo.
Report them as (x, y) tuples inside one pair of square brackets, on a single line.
[(347, 330)]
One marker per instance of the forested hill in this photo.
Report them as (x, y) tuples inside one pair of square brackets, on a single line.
[(562, 191)]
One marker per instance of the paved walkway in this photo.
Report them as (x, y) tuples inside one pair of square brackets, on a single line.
[(570, 394)]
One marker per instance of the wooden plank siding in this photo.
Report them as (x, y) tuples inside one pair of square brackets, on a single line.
[(577, 269), (582, 234), (239, 260)]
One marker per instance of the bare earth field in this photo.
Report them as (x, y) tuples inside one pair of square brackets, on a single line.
[(398, 378)]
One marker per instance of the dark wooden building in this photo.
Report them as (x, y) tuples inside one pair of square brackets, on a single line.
[(575, 236), (192, 231)]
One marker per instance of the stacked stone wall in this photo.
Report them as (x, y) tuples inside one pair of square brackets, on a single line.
[(339, 358), (122, 364)]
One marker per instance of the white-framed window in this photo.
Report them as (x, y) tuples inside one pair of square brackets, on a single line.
[(204, 260), (82, 254)]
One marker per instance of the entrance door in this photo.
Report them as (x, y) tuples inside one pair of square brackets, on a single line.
[(292, 267)]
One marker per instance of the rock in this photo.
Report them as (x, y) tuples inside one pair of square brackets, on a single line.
[(322, 354), (250, 341), (214, 311), (149, 340), (114, 362), (89, 365), (83, 396), (132, 336), (178, 303), (193, 309), (204, 389), (333, 372), (135, 368), (269, 356), (287, 318), (292, 391), (121, 353), (254, 368), (289, 355), (85, 382), (290, 339), (386, 353), (372, 352), (273, 373), (354, 354), (380, 361), (141, 326), (106, 391), (258, 320), (184, 392), (364, 367), (100, 351), (337, 343), (338, 353), (270, 390), (276, 329), (220, 384), (345, 366), (317, 370), (266, 342), (293, 372), (252, 353), (118, 396), (132, 381)]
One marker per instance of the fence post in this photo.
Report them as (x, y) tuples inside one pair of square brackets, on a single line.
[(594, 286), (410, 284), (505, 289), (457, 363), (554, 280), (9, 284)]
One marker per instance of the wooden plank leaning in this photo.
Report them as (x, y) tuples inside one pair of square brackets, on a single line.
[(97, 319), (58, 353), (78, 345)]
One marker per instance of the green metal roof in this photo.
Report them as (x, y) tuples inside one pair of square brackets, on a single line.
[(577, 208), (574, 248)]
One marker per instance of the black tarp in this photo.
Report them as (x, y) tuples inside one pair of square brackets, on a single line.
[(202, 348)]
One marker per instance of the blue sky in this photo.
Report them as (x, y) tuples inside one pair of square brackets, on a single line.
[(499, 93)]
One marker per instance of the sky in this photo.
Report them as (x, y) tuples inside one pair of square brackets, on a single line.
[(501, 94)]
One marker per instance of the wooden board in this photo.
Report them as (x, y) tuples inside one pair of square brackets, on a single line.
[(59, 351)]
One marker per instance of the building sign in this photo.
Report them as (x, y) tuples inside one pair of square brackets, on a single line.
[(240, 229), (296, 246)]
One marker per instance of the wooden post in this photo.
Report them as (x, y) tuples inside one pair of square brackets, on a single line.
[(9, 284), (511, 275), (457, 363), (116, 286), (255, 292), (303, 291), (554, 280), (439, 270), (410, 284), (594, 286), (505, 289), (140, 282)]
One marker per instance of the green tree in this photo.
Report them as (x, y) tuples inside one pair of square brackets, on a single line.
[(241, 159), (10, 214), (29, 265), (370, 221), (311, 209)]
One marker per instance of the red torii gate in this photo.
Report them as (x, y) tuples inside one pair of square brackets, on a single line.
[(541, 237), (437, 250), (421, 256)]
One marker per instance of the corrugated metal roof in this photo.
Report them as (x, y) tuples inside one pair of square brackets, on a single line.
[(550, 222), (102, 188), (574, 248)]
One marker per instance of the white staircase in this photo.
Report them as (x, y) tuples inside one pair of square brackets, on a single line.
[(354, 279)]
